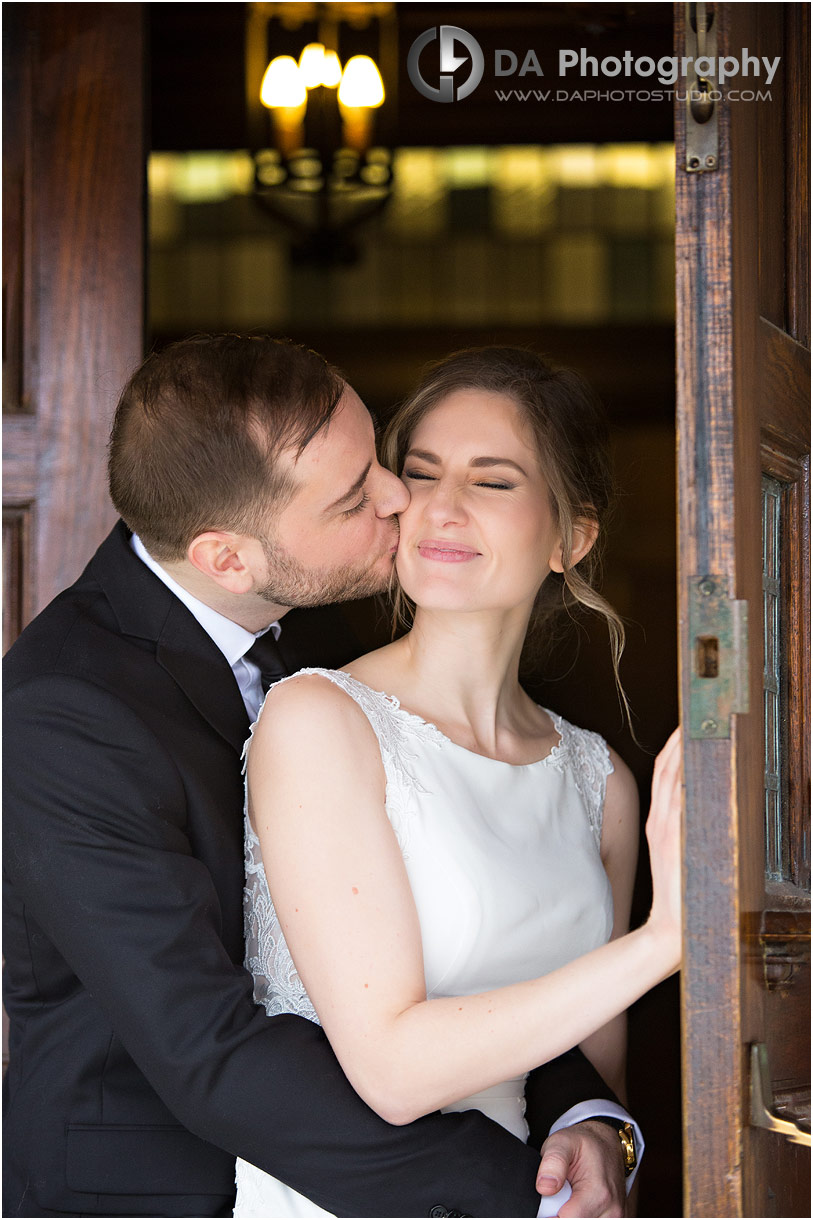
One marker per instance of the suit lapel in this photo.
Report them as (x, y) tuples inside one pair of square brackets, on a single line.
[(147, 609), (198, 666)]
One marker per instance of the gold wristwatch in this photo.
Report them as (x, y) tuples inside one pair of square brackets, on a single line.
[(626, 1134)]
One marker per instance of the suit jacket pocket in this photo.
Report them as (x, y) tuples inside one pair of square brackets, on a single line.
[(145, 1160)]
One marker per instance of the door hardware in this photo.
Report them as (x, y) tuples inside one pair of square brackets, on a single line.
[(702, 137), (719, 680)]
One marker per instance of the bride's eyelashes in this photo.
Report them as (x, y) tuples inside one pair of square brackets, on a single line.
[(421, 476), (418, 474)]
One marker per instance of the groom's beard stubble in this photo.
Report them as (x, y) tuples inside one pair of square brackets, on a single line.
[(298, 586)]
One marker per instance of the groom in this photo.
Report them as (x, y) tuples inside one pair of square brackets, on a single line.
[(139, 1064)]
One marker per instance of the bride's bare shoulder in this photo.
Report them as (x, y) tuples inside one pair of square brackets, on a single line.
[(312, 739), (311, 712)]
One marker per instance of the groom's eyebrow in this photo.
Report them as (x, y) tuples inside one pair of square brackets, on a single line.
[(351, 492)]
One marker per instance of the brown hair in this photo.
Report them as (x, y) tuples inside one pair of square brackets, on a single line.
[(572, 440), (199, 427)]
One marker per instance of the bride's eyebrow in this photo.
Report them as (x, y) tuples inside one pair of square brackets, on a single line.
[(497, 461), (478, 463)]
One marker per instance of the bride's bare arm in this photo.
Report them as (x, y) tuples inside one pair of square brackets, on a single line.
[(607, 1047), (316, 785)]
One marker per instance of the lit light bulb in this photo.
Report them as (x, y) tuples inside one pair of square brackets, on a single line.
[(361, 84), (331, 70), (282, 84), (311, 64)]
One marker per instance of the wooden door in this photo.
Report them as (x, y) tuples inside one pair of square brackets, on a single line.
[(73, 245), (743, 338)]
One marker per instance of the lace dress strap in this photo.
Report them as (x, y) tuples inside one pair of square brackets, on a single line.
[(588, 758)]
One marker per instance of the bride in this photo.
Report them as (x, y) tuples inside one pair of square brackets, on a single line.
[(451, 866)]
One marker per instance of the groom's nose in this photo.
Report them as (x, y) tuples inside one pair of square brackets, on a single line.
[(391, 494)]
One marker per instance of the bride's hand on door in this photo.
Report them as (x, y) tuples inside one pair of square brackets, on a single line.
[(663, 836)]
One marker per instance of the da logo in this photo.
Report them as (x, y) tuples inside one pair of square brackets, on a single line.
[(449, 63)]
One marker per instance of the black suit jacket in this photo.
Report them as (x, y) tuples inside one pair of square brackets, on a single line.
[(139, 1064)]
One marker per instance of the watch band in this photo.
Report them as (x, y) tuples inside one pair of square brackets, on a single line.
[(626, 1134)]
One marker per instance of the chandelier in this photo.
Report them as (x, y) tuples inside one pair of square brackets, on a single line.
[(319, 165)]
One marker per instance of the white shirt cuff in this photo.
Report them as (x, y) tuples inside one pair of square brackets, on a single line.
[(550, 1204)]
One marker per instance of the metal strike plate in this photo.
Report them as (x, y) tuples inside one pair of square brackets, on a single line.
[(718, 630), (702, 107)]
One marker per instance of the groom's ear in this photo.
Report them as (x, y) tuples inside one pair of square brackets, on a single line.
[(230, 560)]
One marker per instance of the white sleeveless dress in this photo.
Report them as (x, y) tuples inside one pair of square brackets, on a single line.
[(504, 864)]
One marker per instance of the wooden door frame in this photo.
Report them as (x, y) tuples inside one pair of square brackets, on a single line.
[(724, 348)]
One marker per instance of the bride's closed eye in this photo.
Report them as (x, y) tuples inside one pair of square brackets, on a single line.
[(417, 474), (421, 476)]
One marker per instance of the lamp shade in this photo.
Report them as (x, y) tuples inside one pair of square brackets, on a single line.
[(282, 84), (311, 62), (331, 70), (361, 83)]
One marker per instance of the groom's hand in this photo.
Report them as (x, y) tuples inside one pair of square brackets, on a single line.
[(589, 1156)]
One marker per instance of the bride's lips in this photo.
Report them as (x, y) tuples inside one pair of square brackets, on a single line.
[(446, 552)]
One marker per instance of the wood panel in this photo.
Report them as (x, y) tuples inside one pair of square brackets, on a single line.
[(16, 565), (797, 181), (742, 407), (18, 111), (73, 293)]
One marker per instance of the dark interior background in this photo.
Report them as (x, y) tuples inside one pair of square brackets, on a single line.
[(497, 288)]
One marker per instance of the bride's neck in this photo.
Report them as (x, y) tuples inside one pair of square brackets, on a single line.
[(463, 667)]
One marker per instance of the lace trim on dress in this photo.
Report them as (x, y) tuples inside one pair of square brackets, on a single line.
[(277, 985), (587, 757)]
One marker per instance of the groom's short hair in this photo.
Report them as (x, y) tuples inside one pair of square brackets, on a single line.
[(199, 429)]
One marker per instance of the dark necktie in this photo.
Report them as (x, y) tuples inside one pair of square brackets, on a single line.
[(266, 655)]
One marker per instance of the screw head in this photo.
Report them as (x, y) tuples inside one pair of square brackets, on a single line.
[(709, 726), (711, 162), (706, 587)]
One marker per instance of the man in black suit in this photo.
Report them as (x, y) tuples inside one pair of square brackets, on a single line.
[(139, 1063)]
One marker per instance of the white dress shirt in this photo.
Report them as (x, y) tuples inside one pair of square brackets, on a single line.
[(234, 642)]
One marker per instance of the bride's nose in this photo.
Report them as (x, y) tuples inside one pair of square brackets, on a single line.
[(444, 505)]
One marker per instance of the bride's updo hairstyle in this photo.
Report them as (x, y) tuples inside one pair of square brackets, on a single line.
[(570, 428)]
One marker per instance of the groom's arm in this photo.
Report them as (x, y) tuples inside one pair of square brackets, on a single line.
[(587, 1155), (97, 846)]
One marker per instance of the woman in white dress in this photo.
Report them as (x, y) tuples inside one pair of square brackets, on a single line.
[(451, 865)]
